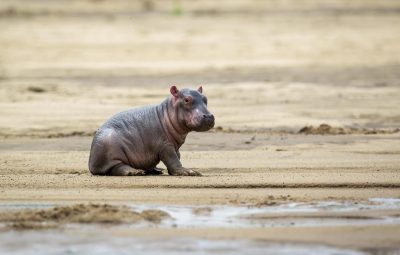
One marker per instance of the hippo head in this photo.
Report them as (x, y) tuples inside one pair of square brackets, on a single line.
[(191, 108)]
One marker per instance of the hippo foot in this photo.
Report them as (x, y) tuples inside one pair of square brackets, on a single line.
[(126, 170), (154, 171), (184, 171)]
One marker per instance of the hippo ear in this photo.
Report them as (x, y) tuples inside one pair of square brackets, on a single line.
[(200, 89), (174, 91)]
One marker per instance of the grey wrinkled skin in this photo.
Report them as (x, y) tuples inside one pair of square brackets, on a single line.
[(133, 142)]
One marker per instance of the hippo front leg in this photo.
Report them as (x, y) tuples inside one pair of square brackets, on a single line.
[(171, 159)]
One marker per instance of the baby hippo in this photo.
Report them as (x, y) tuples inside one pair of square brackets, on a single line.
[(133, 142)]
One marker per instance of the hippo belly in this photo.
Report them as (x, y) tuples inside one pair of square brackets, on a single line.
[(141, 159), (112, 147), (140, 150)]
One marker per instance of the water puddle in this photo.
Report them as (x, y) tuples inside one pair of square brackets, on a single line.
[(323, 213), (67, 242), (99, 239), (299, 214)]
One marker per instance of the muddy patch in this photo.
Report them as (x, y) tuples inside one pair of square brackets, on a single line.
[(271, 200), (322, 129), (46, 133), (250, 130), (202, 211), (325, 129), (79, 213), (36, 89)]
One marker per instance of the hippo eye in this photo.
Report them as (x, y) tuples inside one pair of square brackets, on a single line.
[(187, 100)]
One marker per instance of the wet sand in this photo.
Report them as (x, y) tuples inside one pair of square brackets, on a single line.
[(306, 99), (281, 169)]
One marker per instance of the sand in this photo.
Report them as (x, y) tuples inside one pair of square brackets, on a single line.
[(78, 213), (305, 94)]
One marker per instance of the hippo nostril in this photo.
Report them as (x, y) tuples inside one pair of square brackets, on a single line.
[(208, 116)]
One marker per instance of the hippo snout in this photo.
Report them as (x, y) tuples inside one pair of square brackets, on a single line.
[(208, 117), (209, 120)]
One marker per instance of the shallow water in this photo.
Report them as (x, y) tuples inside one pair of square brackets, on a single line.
[(238, 216), (100, 239), (241, 216), (51, 242)]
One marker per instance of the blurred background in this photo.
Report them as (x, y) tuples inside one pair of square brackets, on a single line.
[(67, 65)]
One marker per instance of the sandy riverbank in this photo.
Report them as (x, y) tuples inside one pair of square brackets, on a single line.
[(269, 71)]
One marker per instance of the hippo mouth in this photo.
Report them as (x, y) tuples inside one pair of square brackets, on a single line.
[(205, 125)]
